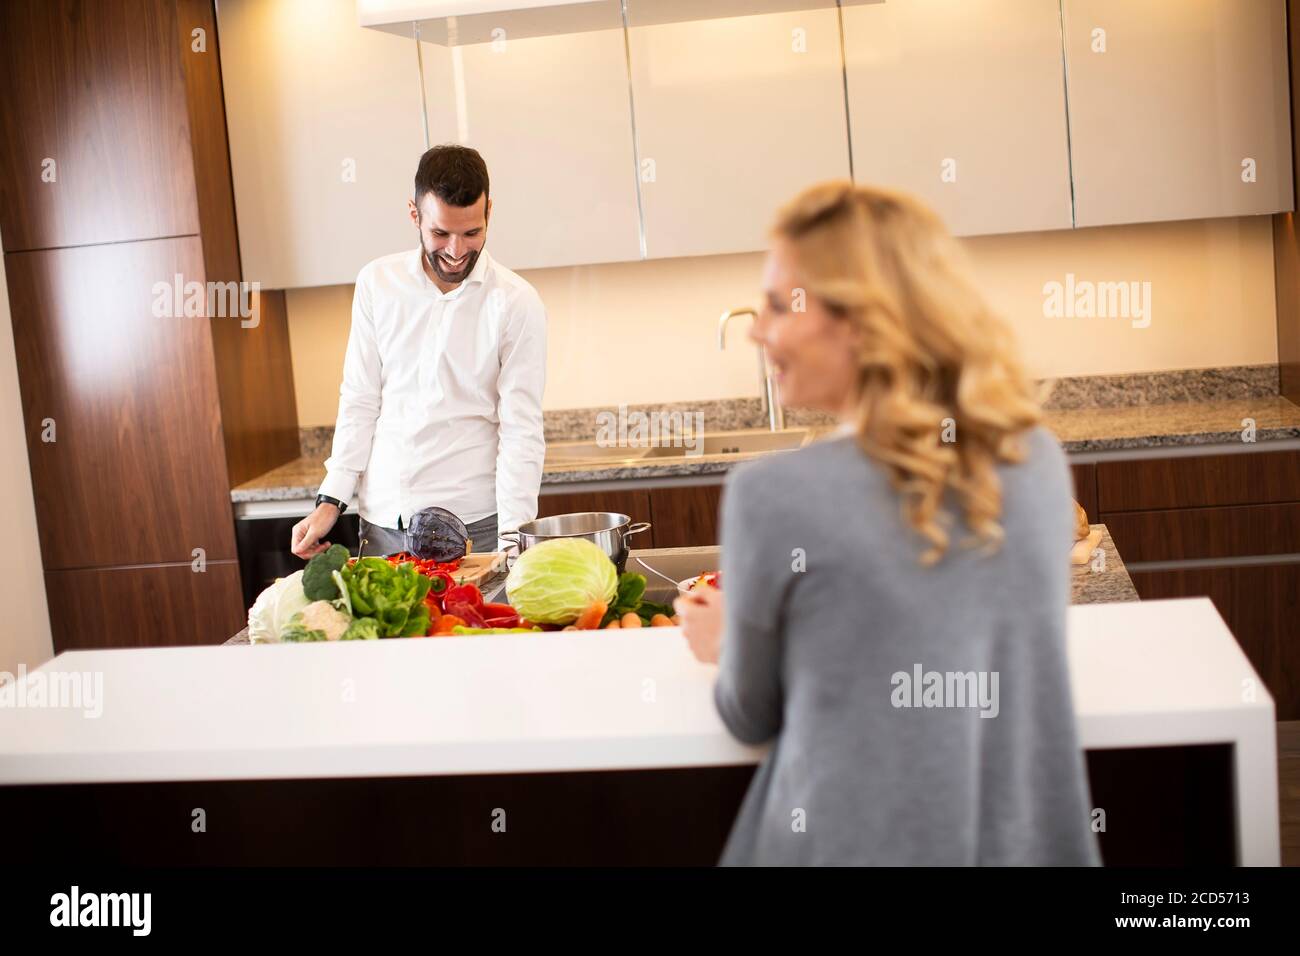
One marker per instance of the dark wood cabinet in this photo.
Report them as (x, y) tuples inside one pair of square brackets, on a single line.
[(164, 605), (681, 516), (1225, 507), (1261, 606), (1199, 533), (686, 516), (1254, 477), (1085, 489), (136, 472), (115, 185), (635, 503), (96, 88)]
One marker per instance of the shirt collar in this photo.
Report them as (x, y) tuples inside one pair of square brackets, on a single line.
[(477, 275)]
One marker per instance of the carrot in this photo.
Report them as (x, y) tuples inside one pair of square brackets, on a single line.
[(613, 625), (630, 619), (676, 619), (661, 620), (445, 624), (591, 618)]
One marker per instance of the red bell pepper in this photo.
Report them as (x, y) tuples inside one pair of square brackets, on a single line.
[(470, 614), (467, 593), (439, 584), (507, 619)]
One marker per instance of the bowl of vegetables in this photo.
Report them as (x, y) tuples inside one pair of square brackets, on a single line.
[(709, 579)]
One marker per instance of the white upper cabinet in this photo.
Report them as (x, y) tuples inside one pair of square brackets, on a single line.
[(733, 116), (962, 102), (325, 134), (551, 116), (1179, 109)]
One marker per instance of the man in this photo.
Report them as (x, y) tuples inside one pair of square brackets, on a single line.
[(441, 402)]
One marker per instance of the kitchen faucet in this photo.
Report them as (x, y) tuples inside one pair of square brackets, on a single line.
[(770, 391)]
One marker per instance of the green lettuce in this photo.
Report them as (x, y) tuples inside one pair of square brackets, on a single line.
[(393, 595), (361, 629)]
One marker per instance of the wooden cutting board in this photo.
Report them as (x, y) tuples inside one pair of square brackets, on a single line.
[(476, 566)]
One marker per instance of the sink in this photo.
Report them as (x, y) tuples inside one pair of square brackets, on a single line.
[(715, 443), (736, 443), (590, 451), (677, 563)]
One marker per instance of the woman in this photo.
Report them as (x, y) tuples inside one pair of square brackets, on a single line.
[(893, 613)]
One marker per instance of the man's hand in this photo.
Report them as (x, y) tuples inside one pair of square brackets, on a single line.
[(307, 533), (701, 613)]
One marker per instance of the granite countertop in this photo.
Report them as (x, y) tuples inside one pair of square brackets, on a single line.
[(1108, 585), (1175, 423), (1080, 430)]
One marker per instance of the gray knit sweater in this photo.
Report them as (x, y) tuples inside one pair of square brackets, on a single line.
[(917, 715)]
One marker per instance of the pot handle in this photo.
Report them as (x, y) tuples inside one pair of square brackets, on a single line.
[(511, 538), (635, 529)]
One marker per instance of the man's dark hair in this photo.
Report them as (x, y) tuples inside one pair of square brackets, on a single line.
[(455, 174)]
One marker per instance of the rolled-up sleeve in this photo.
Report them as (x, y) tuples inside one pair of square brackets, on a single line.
[(755, 578), (521, 445), (359, 398)]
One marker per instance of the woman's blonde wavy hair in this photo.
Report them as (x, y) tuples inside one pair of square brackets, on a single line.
[(934, 358)]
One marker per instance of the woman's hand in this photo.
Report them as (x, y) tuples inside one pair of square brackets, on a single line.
[(701, 616)]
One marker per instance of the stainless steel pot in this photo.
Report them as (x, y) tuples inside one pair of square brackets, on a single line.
[(605, 529)]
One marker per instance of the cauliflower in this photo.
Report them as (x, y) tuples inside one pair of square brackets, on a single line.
[(324, 617), (274, 608)]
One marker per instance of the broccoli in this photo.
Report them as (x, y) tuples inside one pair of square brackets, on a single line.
[(362, 629), (318, 579)]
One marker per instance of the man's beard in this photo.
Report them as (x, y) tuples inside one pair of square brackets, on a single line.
[(436, 264)]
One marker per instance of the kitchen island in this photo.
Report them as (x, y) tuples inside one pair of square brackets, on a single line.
[(596, 747)]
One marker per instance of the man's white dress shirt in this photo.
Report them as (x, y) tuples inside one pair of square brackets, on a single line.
[(441, 402)]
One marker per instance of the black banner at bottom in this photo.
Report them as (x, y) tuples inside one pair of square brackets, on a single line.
[(331, 905)]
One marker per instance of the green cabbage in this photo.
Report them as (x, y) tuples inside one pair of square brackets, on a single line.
[(274, 607), (555, 581)]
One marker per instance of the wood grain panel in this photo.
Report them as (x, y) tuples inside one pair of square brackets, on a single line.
[(633, 503), (686, 517), (1261, 605), (1188, 533), (1168, 806), (1085, 489), (1286, 245), (137, 472), (259, 413), (1155, 483), (1286, 273), (254, 371), (1183, 816), (158, 606), (97, 88)]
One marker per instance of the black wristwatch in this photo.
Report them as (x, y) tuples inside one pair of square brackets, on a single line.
[(327, 500)]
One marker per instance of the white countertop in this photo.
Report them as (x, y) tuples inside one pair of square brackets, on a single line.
[(1150, 673)]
